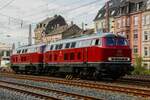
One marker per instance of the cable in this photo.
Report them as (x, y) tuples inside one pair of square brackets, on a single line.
[(48, 10), (81, 6), (6, 4)]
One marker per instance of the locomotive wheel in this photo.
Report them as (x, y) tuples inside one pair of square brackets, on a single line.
[(97, 76)]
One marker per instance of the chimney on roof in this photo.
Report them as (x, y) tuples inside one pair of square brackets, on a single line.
[(55, 15), (72, 23)]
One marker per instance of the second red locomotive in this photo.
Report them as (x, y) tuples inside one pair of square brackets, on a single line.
[(94, 56)]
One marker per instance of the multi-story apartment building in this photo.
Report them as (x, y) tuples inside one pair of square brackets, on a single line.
[(146, 36), (129, 23)]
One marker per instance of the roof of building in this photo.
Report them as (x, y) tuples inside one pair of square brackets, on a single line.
[(63, 29), (49, 19), (114, 7), (4, 46)]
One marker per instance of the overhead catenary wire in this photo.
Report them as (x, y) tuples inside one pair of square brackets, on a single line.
[(71, 9), (23, 21), (48, 10), (7, 4)]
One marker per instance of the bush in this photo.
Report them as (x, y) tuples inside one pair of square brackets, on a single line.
[(139, 69)]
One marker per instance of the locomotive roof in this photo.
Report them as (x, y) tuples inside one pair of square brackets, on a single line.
[(32, 46), (86, 37)]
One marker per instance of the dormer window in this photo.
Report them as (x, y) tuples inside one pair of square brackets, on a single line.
[(112, 13), (110, 3), (148, 4), (40, 25), (44, 25), (140, 5)]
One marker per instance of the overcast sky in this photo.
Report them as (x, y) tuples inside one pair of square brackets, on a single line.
[(16, 15)]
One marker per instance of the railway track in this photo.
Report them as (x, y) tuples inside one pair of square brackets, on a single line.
[(44, 93), (134, 82), (88, 84)]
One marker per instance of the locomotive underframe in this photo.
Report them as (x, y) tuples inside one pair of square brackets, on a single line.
[(92, 70)]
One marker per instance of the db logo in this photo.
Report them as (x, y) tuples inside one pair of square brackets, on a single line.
[(60, 53), (119, 52)]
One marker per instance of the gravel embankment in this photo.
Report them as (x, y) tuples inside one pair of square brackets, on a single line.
[(107, 95)]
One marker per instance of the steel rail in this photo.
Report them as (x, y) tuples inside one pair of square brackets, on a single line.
[(99, 86), (77, 96)]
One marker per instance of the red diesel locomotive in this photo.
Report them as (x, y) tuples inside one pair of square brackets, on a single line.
[(94, 56)]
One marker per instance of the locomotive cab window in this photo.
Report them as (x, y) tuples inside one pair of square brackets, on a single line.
[(51, 47), (67, 45), (23, 51), (110, 41), (96, 42), (122, 42), (57, 47), (60, 46), (26, 50), (73, 45), (19, 51)]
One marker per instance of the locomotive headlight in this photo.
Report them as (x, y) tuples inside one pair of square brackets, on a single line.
[(128, 59), (109, 59)]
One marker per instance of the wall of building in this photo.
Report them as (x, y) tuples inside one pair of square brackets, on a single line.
[(100, 25), (146, 39), (122, 25), (136, 34)]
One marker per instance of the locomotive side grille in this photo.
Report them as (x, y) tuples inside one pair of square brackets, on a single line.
[(119, 59)]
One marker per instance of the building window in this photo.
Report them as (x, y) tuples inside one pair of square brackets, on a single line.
[(119, 23), (145, 51), (135, 49), (128, 21), (136, 21), (146, 65), (124, 22), (146, 19), (145, 37), (148, 4), (135, 37)]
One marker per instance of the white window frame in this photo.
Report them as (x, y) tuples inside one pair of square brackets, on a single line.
[(146, 51), (136, 20), (145, 33)]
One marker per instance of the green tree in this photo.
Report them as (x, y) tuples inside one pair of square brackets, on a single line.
[(139, 69)]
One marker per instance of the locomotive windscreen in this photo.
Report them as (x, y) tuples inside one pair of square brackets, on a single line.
[(110, 41)]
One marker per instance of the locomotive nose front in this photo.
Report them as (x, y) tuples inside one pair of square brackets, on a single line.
[(117, 55)]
